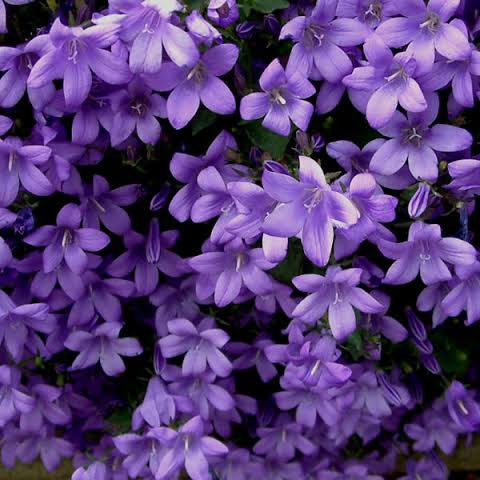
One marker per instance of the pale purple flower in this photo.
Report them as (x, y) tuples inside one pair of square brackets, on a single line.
[(18, 324), (136, 109), (391, 79), (186, 168), (463, 295), (338, 293), (308, 207), (425, 29), (462, 407), (413, 140), (75, 53), (13, 396), (201, 30), (426, 252), (197, 83), (147, 256), (223, 12), (101, 205), (320, 38), (148, 28), (282, 100)]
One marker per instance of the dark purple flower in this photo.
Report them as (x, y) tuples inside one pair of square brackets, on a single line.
[(201, 345), (104, 346), (223, 12)]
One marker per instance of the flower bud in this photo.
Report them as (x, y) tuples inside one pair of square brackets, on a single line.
[(275, 167), (153, 246), (272, 24), (431, 364), (246, 30), (419, 202), (416, 326), (160, 199)]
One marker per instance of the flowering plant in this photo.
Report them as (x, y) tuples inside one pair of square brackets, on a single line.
[(238, 237)]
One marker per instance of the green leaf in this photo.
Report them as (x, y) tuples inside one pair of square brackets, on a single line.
[(269, 6), (195, 4), (267, 140), (203, 120)]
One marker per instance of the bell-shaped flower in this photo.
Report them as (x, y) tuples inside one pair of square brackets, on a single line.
[(188, 447), (413, 140), (102, 345), (75, 53), (147, 256), (224, 273), (198, 83), (426, 252), (67, 240), (18, 325), (19, 166), (308, 207), (282, 100), (338, 293), (201, 345)]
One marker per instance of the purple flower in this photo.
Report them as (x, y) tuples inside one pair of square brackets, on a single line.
[(46, 409), (148, 28), (74, 54), (188, 448), (431, 298), (18, 325), (412, 140), (202, 31), (201, 346), (17, 64), (186, 168), (320, 37), (338, 293), (426, 252), (101, 205), (280, 101), (197, 83), (67, 241), (140, 451), (224, 273), (102, 345), (461, 73), (283, 439), (146, 256), (466, 176), (136, 109), (158, 406), (223, 12), (463, 295), (13, 396), (433, 427), (248, 356), (19, 166), (462, 407), (425, 29), (391, 79), (309, 207)]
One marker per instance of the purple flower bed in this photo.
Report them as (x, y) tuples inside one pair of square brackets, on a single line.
[(238, 238)]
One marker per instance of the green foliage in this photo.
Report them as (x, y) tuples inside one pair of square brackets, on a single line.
[(267, 140), (268, 6), (203, 120)]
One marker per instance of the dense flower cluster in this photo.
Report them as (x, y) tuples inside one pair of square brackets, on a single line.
[(237, 237)]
